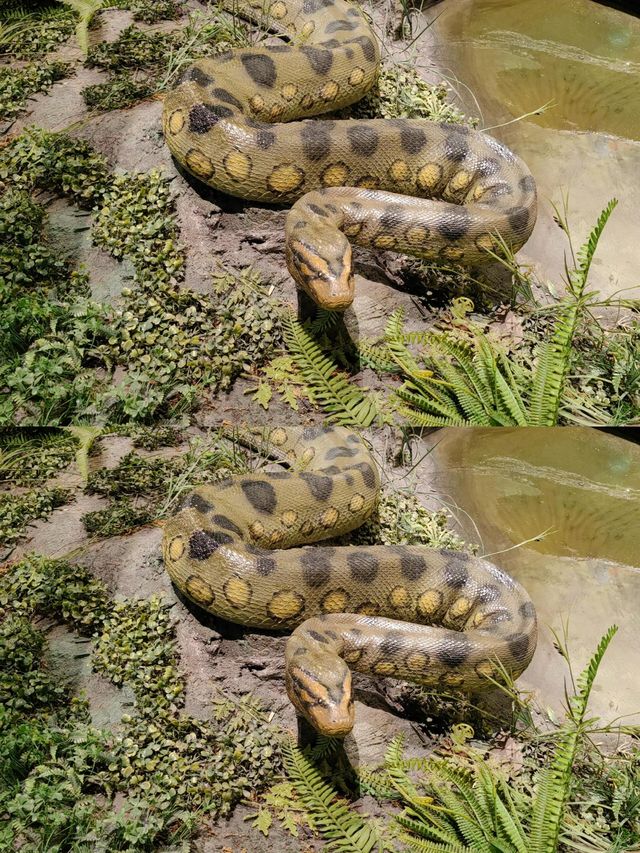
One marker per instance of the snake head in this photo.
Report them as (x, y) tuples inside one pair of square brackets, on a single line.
[(328, 707), (323, 270)]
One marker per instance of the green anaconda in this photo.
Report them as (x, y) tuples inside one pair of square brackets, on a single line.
[(421, 188), (436, 617)]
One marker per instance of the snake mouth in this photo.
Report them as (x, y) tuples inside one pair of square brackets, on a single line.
[(330, 284)]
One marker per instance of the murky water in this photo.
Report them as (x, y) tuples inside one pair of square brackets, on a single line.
[(560, 510), (580, 57), (509, 58)]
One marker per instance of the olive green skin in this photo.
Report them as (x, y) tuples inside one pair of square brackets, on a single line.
[(432, 190), (440, 618)]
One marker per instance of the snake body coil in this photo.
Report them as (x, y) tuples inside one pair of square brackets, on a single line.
[(417, 187), (436, 617)]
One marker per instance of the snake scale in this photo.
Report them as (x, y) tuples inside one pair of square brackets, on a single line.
[(432, 190), (440, 618)]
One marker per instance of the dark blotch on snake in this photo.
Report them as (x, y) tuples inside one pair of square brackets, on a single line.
[(341, 26), (363, 566), (519, 646), (368, 474), (310, 6), (197, 76), (455, 225), (368, 47), (316, 139), (527, 184), (203, 543), (197, 502), (455, 652), (392, 643), (319, 211), (456, 146), (527, 610), (455, 572), (261, 495), (319, 486), (261, 68), (204, 116), (413, 139), (487, 594), (518, 218), (316, 636), (266, 565), (316, 566), (265, 139), (223, 521), (320, 60), (412, 566), (363, 140), (227, 97), (338, 452)]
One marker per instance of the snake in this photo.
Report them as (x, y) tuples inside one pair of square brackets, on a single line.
[(433, 190), (243, 549)]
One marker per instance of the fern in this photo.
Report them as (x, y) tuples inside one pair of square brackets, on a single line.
[(345, 402), (554, 787), (85, 10), (345, 830)]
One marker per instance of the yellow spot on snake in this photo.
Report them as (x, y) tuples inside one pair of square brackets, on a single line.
[(368, 182), (308, 455), (289, 91), (278, 10), (199, 590), (256, 530), (429, 176), (199, 163), (478, 192), (368, 608), (399, 170), (286, 604), (238, 165), (353, 656), (237, 591), (399, 597), (285, 178), (417, 662), (278, 436), (452, 253), (478, 618), (276, 537), (429, 602), (329, 91), (176, 121), (460, 181), (356, 503), (384, 668), (307, 102), (307, 528), (353, 230), (308, 28), (176, 548), (289, 518), (276, 111), (417, 235), (329, 517), (335, 175), (485, 242), (256, 103), (485, 669), (357, 76), (452, 679), (385, 241), (335, 601), (460, 607)]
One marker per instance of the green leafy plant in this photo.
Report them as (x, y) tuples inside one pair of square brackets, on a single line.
[(345, 402), (85, 10)]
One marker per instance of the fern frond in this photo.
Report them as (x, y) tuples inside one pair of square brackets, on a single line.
[(554, 786), (85, 9), (587, 251), (345, 402), (345, 830)]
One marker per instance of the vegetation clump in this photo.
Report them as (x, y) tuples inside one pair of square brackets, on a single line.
[(61, 774), (18, 511), (19, 84)]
